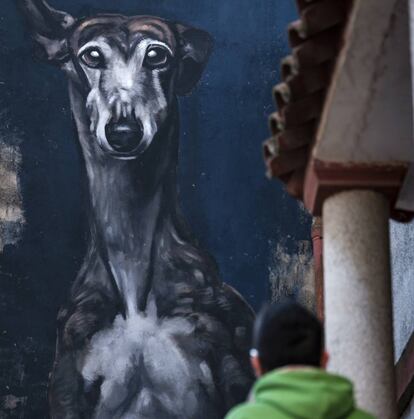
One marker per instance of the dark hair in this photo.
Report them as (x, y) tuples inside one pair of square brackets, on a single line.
[(287, 334)]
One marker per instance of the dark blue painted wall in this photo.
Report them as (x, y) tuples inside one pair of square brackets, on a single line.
[(233, 209)]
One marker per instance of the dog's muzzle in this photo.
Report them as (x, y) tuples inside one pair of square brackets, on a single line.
[(124, 135)]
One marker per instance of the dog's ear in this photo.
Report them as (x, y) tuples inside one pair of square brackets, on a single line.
[(195, 48), (48, 28)]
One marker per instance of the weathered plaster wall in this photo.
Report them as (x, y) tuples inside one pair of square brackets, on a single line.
[(357, 122), (402, 257), (291, 272), (237, 214), (11, 213), (402, 249)]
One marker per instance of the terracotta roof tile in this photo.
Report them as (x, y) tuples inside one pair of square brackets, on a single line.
[(306, 73)]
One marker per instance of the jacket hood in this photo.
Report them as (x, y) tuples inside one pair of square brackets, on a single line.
[(306, 393)]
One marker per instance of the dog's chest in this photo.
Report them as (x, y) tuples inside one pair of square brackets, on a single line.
[(144, 372)]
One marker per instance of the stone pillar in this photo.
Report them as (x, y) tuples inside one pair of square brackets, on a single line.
[(358, 307)]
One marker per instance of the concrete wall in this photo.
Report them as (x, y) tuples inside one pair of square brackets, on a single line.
[(357, 122), (402, 257)]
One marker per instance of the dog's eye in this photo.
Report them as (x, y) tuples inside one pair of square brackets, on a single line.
[(156, 57), (93, 58)]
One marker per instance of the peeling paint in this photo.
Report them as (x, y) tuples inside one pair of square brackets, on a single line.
[(22, 396), (11, 212), (291, 272), (11, 402)]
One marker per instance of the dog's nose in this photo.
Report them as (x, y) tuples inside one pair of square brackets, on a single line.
[(124, 135)]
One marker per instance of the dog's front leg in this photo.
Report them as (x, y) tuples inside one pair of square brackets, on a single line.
[(69, 397), (65, 387)]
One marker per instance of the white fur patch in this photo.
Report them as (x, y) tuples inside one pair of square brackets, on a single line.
[(142, 364)]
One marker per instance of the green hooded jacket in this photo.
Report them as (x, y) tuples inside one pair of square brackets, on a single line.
[(307, 393)]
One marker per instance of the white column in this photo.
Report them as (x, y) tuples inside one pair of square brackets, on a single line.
[(358, 307)]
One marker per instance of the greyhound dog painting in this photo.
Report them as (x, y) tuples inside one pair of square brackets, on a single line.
[(149, 330)]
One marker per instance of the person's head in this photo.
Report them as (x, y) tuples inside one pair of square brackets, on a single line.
[(287, 334)]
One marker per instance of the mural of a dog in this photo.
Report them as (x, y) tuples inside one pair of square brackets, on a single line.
[(149, 330)]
